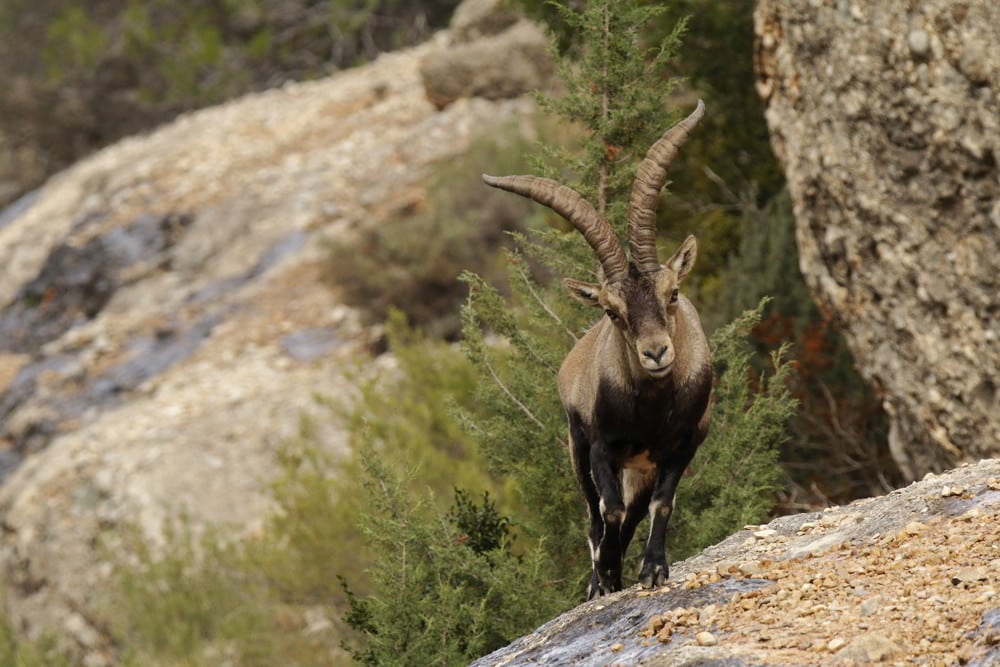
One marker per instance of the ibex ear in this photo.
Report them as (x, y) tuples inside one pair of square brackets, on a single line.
[(585, 293), (683, 260)]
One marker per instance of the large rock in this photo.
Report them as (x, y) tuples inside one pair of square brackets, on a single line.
[(909, 578), (886, 116), (163, 325), (507, 64), (474, 19)]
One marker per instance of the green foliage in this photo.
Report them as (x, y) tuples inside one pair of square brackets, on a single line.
[(610, 92), (412, 263), (14, 652), (191, 53), (735, 473), (413, 414), (177, 49), (74, 41), (442, 596), (482, 527), (408, 416), (443, 584), (183, 603), (519, 423), (765, 259), (838, 449), (312, 535)]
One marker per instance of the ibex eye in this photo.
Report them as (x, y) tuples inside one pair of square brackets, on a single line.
[(673, 296), (613, 315)]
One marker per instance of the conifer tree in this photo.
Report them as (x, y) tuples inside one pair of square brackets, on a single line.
[(618, 90)]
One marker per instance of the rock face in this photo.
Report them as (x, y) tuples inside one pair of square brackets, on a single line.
[(163, 323), (911, 577), (886, 116)]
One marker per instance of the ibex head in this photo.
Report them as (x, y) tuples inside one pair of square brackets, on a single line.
[(639, 296)]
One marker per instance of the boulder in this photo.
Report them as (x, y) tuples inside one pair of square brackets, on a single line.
[(500, 66), (474, 19), (885, 117)]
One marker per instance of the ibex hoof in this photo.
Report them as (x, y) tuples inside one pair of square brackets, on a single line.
[(654, 574), (602, 584)]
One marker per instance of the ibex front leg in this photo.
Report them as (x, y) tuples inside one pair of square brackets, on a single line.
[(608, 556), (655, 570)]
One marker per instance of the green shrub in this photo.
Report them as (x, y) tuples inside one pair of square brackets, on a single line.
[(408, 416), (15, 652), (447, 588), (735, 475), (518, 420), (188, 603), (411, 263)]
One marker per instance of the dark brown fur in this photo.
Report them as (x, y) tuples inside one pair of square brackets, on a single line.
[(636, 386), (633, 434)]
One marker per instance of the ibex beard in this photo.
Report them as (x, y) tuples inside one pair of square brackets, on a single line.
[(636, 386)]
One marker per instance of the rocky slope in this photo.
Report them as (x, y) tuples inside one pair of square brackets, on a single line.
[(165, 325), (907, 578), (886, 116)]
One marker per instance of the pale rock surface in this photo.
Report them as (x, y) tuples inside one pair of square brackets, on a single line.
[(886, 116), (175, 395), (906, 578)]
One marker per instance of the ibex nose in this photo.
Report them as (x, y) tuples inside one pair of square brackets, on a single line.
[(655, 356)]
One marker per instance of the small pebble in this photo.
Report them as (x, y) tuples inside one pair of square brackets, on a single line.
[(919, 42), (706, 639), (869, 606)]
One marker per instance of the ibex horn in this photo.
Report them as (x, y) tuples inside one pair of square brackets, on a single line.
[(650, 178), (571, 205)]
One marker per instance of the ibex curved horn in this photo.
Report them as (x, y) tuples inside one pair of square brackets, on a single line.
[(571, 205), (650, 178)]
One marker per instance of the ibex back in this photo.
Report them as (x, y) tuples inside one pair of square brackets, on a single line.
[(636, 386)]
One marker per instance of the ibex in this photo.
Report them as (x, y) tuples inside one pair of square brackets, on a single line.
[(636, 386)]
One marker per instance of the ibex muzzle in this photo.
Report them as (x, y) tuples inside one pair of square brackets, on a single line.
[(636, 386)]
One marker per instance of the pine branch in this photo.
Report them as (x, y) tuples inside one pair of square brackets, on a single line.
[(541, 302), (602, 168), (510, 394)]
